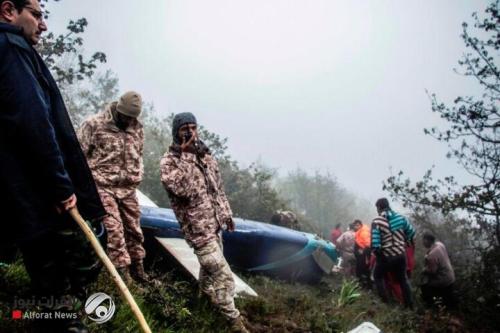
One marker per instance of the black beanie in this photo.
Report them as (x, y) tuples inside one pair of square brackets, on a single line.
[(179, 120), (382, 204)]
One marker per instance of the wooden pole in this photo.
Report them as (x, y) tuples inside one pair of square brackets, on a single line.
[(111, 268)]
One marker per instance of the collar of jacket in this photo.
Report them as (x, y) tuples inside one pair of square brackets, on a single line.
[(6, 27), (176, 150), (15, 36), (110, 122)]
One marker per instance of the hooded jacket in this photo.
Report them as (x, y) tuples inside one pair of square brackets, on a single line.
[(41, 160)]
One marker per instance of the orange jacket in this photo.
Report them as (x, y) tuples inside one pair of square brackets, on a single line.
[(362, 237)]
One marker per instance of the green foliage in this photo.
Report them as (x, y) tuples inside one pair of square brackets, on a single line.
[(15, 285), (62, 53), (349, 292), (15, 277), (164, 304)]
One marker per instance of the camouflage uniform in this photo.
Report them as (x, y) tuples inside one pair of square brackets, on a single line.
[(216, 278), (194, 186), (115, 158), (195, 190)]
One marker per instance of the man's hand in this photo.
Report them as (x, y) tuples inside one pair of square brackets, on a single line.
[(67, 204), (185, 146), (230, 224)]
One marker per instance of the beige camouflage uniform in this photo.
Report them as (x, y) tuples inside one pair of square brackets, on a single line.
[(195, 190), (115, 158)]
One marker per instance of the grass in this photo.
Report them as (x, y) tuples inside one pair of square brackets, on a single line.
[(348, 293), (174, 305)]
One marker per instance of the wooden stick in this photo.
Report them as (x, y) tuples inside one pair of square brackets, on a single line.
[(111, 268)]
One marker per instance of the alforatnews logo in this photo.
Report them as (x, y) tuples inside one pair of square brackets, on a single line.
[(100, 307)]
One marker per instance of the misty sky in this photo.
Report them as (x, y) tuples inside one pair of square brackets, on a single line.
[(328, 85)]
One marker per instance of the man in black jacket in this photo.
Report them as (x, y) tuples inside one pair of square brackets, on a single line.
[(43, 172)]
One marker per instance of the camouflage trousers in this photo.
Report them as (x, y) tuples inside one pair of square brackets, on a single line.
[(216, 278), (125, 236)]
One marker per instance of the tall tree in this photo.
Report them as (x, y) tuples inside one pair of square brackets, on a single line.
[(472, 133)]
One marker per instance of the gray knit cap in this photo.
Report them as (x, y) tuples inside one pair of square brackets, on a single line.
[(130, 104), (179, 120)]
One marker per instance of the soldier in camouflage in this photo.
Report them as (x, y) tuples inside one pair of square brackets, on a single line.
[(113, 143), (193, 183)]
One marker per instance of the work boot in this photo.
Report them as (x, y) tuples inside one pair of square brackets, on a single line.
[(138, 273), (125, 274), (237, 325)]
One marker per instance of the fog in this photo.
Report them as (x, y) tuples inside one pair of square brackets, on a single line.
[(336, 86)]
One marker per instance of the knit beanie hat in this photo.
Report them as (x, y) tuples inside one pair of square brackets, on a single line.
[(179, 120), (130, 104)]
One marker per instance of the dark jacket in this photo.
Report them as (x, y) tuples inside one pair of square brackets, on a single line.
[(41, 162)]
